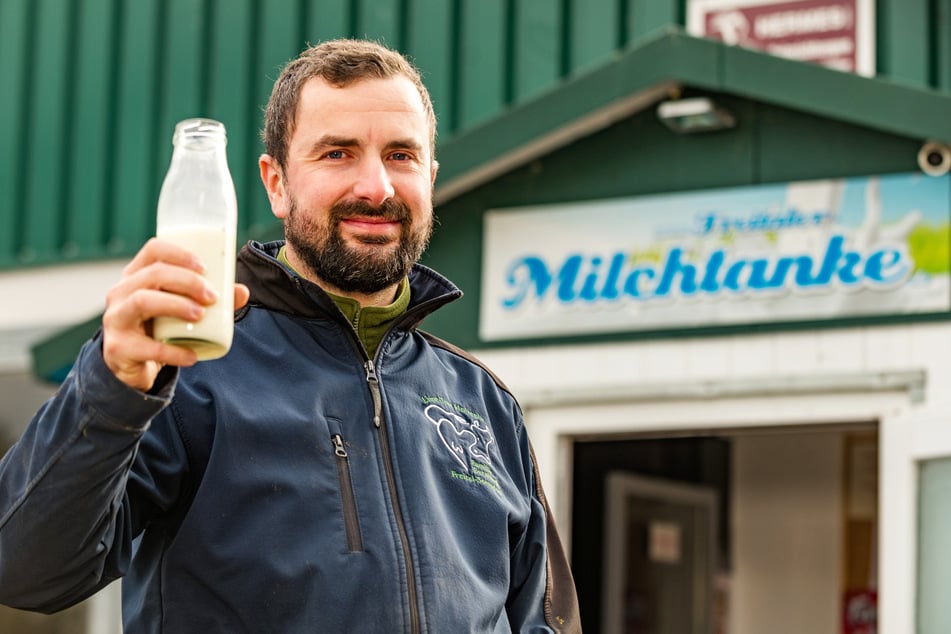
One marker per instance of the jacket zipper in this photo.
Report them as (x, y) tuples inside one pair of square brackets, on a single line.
[(411, 589), (350, 520)]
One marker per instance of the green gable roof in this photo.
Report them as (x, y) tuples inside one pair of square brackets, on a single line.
[(664, 65)]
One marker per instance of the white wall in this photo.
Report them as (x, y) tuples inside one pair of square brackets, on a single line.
[(787, 500), (817, 376), (38, 302)]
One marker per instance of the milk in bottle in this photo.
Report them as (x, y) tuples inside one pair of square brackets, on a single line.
[(198, 210)]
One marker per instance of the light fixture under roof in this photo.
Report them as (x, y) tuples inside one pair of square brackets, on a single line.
[(694, 114)]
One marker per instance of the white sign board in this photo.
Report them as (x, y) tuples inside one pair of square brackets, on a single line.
[(812, 250)]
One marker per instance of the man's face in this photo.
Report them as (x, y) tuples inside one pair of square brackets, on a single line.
[(356, 194)]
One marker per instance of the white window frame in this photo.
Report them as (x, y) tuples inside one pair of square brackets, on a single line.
[(905, 442)]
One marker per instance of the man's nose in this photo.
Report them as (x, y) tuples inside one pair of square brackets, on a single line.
[(373, 182)]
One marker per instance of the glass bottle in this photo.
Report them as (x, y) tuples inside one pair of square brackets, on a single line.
[(198, 209)]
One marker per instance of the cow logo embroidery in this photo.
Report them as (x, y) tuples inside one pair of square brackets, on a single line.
[(468, 441)]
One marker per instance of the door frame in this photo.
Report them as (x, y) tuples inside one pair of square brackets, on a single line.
[(905, 441), (557, 419)]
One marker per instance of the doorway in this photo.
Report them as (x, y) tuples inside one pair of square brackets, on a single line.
[(794, 539)]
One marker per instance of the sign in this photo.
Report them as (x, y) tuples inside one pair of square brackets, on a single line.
[(839, 34), (860, 613), (664, 542), (813, 250)]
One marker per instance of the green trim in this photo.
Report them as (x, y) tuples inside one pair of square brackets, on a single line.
[(53, 357), (711, 332)]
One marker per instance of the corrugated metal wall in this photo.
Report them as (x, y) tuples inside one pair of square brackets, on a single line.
[(91, 89)]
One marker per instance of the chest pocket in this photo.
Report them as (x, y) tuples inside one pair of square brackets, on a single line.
[(348, 500)]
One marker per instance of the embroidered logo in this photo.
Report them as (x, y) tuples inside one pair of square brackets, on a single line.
[(468, 440)]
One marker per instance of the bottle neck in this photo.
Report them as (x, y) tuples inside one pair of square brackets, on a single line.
[(199, 135), (200, 142)]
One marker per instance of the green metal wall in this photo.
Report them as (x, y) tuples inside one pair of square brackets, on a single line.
[(92, 88)]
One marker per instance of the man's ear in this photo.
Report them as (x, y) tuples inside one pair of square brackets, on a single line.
[(433, 170), (273, 178)]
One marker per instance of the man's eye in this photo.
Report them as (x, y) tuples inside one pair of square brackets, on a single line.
[(334, 154), (400, 156)]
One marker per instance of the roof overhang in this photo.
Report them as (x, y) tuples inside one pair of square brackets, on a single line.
[(664, 65)]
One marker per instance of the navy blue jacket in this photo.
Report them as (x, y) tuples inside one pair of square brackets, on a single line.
[(293, 486)]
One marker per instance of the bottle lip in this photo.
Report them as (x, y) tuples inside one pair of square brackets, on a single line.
[(199, 126)]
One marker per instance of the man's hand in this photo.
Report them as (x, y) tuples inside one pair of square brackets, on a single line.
[(162, 280)]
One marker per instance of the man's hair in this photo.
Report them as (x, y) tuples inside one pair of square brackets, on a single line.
[(340, 63)]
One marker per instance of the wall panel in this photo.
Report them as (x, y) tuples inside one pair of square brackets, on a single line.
[(482, 62), (89, 146), (593, 33), (904, 40), (942, 44), (647, 16), (40, 226), (276, 22), (134, 168), (538, 47), (230, 87), (14, 38), (326, 19), (430, 36), (381, 20)]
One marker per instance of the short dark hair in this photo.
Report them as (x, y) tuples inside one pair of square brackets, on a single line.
[(340, 63)]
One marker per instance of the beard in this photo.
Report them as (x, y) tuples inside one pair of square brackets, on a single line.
[(352, 269)]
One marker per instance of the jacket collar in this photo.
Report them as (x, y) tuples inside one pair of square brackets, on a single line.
[(274, 287)]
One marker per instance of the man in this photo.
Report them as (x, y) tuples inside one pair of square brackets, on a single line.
[(339, 470)]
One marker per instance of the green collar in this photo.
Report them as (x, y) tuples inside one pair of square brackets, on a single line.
[(371, 322)]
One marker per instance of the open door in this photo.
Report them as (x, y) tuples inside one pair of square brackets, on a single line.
[(659, 556)]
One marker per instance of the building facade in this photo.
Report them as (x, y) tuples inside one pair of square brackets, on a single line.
[(716, 278)]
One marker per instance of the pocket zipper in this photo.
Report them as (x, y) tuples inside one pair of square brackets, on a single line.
[(351, 521)]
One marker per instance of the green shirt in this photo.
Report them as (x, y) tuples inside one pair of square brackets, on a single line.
[(370, 322)]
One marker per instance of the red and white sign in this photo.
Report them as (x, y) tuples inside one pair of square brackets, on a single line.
[(839, 34), (860, 613)]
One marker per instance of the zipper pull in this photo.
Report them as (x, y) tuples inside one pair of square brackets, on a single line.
[(339, 449), (374, 383)]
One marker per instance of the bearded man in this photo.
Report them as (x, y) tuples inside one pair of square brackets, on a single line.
[(339, 470)]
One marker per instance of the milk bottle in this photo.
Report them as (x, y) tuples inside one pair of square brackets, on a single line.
[(198, 210)]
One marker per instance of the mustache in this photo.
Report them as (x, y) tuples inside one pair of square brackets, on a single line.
[(390, 210)]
